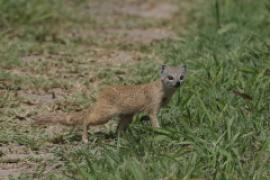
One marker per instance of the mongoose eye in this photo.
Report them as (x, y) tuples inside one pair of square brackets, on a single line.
[(181, 77), (170, 77)]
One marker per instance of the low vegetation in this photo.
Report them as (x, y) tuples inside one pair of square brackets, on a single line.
[(56, 55)]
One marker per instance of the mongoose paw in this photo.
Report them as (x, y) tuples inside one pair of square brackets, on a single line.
[(85, 140)]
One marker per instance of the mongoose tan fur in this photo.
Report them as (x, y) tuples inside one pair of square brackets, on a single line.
[(125, 101)]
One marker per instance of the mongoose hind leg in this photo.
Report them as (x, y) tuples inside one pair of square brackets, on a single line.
[(124, 121), (96, 118)]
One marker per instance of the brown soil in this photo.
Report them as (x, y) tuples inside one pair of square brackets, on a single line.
[(163, 10)]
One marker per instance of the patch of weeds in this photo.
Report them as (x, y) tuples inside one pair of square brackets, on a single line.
[(28, 141), (28, 12)]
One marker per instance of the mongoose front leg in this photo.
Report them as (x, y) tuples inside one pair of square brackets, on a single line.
[(154, 120), (85, 133), (124, 121)]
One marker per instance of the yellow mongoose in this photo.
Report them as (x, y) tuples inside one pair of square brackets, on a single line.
[(125, 101)]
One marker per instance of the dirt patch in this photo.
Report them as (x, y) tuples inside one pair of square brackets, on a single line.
[(150, 10), (135, 32), (28, 59), (12, 148), (116, 57), (41, 97), (124, 36), (48, 63), (105, 8), (14, 170), (142, 36), (16, 160), (27, 166), (31, 170)]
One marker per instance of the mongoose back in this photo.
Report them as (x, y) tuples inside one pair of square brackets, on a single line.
[(125, 101)]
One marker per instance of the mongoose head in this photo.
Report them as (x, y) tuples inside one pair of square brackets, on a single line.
[(172, 76)]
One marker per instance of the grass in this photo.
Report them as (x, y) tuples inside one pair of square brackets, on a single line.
[(215, 127)]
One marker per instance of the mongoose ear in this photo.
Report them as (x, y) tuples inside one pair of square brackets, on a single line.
[(183, 68), (162, 68)]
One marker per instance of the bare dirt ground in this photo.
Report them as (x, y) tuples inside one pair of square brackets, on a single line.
[(66, 78)]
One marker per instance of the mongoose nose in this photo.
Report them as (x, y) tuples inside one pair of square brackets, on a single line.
[(177, 83)]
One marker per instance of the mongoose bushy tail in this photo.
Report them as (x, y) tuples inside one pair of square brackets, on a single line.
[(68, 119)]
